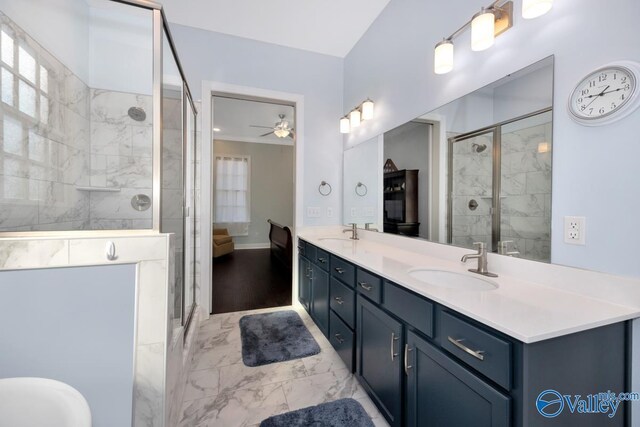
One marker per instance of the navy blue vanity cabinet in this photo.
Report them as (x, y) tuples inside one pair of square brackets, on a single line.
[(304, 282), (304, 276), (342, 301), (320, 298), (440, 392), (379, 355)]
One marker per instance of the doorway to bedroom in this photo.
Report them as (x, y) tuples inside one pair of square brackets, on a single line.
[(253, 203)]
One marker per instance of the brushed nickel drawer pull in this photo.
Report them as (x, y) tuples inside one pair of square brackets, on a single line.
[(364, 286), (406, 359), (393, 340), (339, 270), (478, 354), (339, 300), (339, 338), (322, 260)]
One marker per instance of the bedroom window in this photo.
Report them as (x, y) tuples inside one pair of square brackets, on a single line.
[(232, 208)]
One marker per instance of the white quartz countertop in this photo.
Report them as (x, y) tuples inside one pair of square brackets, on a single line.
[(520, 308)]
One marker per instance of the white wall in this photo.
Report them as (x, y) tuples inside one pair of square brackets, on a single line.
[(74, 325), (593, 167), (60, 26), (227, 59)]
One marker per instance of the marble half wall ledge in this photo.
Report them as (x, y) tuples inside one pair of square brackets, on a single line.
[(17, 253)]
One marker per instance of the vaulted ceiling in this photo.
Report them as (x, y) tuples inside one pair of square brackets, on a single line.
[(330, 27)]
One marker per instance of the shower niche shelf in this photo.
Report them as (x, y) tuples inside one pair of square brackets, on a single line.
[(99, 189)]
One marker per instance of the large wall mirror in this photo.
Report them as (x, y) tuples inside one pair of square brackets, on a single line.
[(475, 170)]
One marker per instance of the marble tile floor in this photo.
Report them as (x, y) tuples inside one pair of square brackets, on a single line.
[(222, 391)]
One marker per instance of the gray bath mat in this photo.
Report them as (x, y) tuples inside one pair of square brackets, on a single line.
[(275, 337), (339, 413)]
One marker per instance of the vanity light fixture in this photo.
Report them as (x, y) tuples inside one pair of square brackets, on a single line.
[(367, 109), (534, 8), (443, 60), (344, 125), (486, 25), (356, 116), (483, 29)]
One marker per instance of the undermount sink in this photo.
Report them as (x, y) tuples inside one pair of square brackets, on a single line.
[(452, 280), (27, 402)]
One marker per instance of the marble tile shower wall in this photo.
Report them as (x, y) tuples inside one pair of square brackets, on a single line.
[(472, 180), (526, 190), (44, 144), (121, 158), (59, 134)]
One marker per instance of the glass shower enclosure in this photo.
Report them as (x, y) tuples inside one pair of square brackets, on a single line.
[(98, 127)]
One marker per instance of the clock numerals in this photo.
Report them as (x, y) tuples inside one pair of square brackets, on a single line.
[(602, 93)]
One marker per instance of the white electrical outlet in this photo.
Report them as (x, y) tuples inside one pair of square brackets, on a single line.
[(313, 212), (575, 230), (329, 212)]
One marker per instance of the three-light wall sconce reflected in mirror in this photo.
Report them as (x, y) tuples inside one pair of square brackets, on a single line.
[(359, 114), (486, 25)]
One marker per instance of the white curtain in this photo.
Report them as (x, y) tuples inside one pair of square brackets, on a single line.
[(232, 210)]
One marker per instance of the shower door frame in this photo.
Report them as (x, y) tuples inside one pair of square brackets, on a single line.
[(496, 202)]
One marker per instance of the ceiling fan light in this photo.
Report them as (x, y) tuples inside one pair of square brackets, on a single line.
[(355, 118), (281, 133), (367, 110), (345, 127)]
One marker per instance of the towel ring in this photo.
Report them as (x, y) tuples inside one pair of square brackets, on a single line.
[(361, 193), (322, 185)]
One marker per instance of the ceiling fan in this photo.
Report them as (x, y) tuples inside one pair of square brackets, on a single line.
[(281, 129)]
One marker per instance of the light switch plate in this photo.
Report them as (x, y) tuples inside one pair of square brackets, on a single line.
[(575, 230)]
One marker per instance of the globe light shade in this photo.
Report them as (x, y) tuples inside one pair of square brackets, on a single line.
[(534, 8), (367, 110), (354, 118), (483, 26), (443, 57), (345, 127)]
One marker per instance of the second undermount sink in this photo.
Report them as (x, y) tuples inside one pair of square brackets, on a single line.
[(452, 280)]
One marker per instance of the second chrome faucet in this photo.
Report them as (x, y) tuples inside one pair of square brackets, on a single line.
[(481, 256)]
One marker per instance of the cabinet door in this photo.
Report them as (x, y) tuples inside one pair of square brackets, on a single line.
[(379, 358), (440, 392), (304, 282), (320, 298)]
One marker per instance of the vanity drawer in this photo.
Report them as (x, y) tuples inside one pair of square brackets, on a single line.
[(413, 309), (487, 353), (343, 270), (342, 340), (369, 285), (343, 302), (321, 259)]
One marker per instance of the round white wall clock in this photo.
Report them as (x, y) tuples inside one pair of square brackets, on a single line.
[(606, 95)]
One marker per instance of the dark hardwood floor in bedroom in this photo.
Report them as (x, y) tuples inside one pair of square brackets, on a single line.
[(249, 279)]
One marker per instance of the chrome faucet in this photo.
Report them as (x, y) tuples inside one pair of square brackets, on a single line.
[(367, 226), (503, 248), (481, 255), (353, 230)]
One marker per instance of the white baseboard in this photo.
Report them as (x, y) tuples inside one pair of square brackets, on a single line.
[(242, 246)]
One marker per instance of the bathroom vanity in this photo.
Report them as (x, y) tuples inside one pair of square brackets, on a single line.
[(433, 350)]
